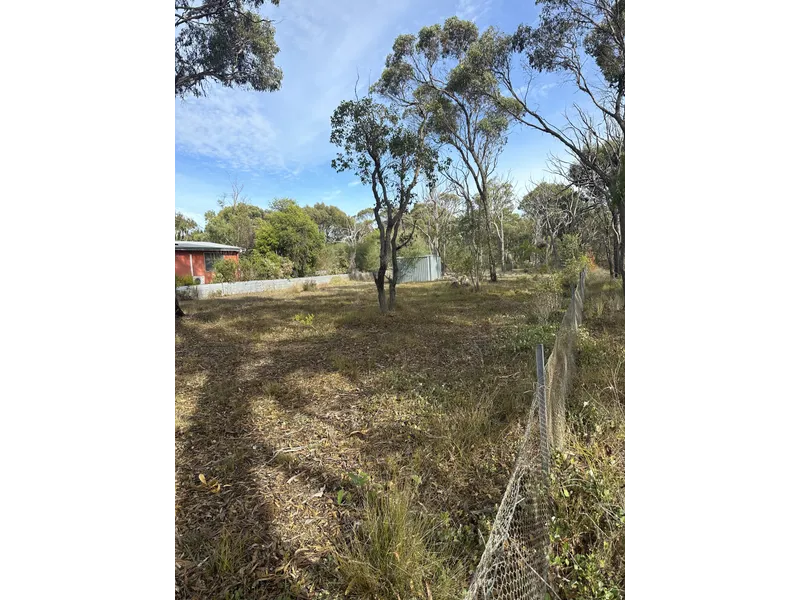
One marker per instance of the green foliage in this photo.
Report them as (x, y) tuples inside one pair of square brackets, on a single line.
[(523, 339), (184, 227), (332, 221), (334, 258), (368, 252), (268, 265), (225, 270), (182, 280), (289, 232), (304, 319), (234, 225), (225, 42)]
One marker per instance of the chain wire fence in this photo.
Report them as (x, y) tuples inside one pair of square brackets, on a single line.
[(514, 564)]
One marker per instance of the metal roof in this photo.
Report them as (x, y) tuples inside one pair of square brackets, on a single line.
[(205, 246)]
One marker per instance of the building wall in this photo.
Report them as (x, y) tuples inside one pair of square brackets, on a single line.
[(194, 263)]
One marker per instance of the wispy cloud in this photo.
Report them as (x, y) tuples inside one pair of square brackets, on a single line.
[(354, 183), (323, 51), (228, 127), (330, 196), (472, 10)]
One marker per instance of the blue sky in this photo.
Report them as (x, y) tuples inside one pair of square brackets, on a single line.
[(276, 144)]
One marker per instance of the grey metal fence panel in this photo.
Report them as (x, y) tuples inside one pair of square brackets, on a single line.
[(420, 268)]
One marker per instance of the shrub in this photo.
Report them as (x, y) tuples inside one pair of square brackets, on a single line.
[(225, 270), (304, 319), (309, 286), (571, 272), (181, 280), (546, 298), (267, 265), (334, 258), (368, 253)]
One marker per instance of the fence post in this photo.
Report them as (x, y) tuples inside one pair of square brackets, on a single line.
[(541, 395)]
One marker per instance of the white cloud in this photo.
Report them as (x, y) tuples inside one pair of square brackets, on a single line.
[(229, 127), (354, 183), (324, 48), (472, 10), (330, 196)]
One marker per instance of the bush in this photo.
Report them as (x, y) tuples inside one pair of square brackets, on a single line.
[(368, 253), (181, 280), (571, 272), (225, 270), (304, 319), (309, 286), (546, 298), (267, 265), (334, 258)]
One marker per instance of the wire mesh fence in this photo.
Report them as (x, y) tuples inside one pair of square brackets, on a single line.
[(514, 564)]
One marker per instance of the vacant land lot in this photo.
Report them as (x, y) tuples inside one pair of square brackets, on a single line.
[(306, 421)]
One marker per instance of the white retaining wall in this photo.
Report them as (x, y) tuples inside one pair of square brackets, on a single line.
[(213, 290)]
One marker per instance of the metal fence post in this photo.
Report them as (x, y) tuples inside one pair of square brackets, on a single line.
[(541, 394)]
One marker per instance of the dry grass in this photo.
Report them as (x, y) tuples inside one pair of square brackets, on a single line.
[(298, 421), (588, 535)]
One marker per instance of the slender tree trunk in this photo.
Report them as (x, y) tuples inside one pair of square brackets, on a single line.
[(395, 275), (353, 260), (502, 249), (616, 228), (380, 279), (622, 243), (492, 268)]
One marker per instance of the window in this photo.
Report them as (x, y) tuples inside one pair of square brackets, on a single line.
[(211, 258)]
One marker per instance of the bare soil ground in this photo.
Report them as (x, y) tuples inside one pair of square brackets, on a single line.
[(283, 420)]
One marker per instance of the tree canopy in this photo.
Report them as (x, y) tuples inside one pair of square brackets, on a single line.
[(184, 227), (331, 220), (225, 41), (288, 231)]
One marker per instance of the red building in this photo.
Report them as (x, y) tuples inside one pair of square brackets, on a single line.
[(197, 259)]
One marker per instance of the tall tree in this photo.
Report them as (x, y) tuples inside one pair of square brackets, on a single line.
[(434, 217), (387, 150), (556, 209), (501, 203), (288, 231), (331, 220), (425, 71), (568, 33), (226, 41), (184, 227), (358, 227)]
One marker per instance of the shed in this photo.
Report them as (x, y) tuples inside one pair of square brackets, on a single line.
[(419, 268), (197, 259)]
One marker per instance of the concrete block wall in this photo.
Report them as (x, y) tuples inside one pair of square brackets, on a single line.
[(213, 290)]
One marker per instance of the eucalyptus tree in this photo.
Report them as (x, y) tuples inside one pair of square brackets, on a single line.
[(501, 202), (357, 228), (226, 41), (435, 215), (556, 209), (583, 40), (388, 150), (184, 226), (427, 71)]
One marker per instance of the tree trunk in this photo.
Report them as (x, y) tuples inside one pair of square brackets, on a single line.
[(353, 260), (622, 243), (380, 280), (178, 311), (393, 280)]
